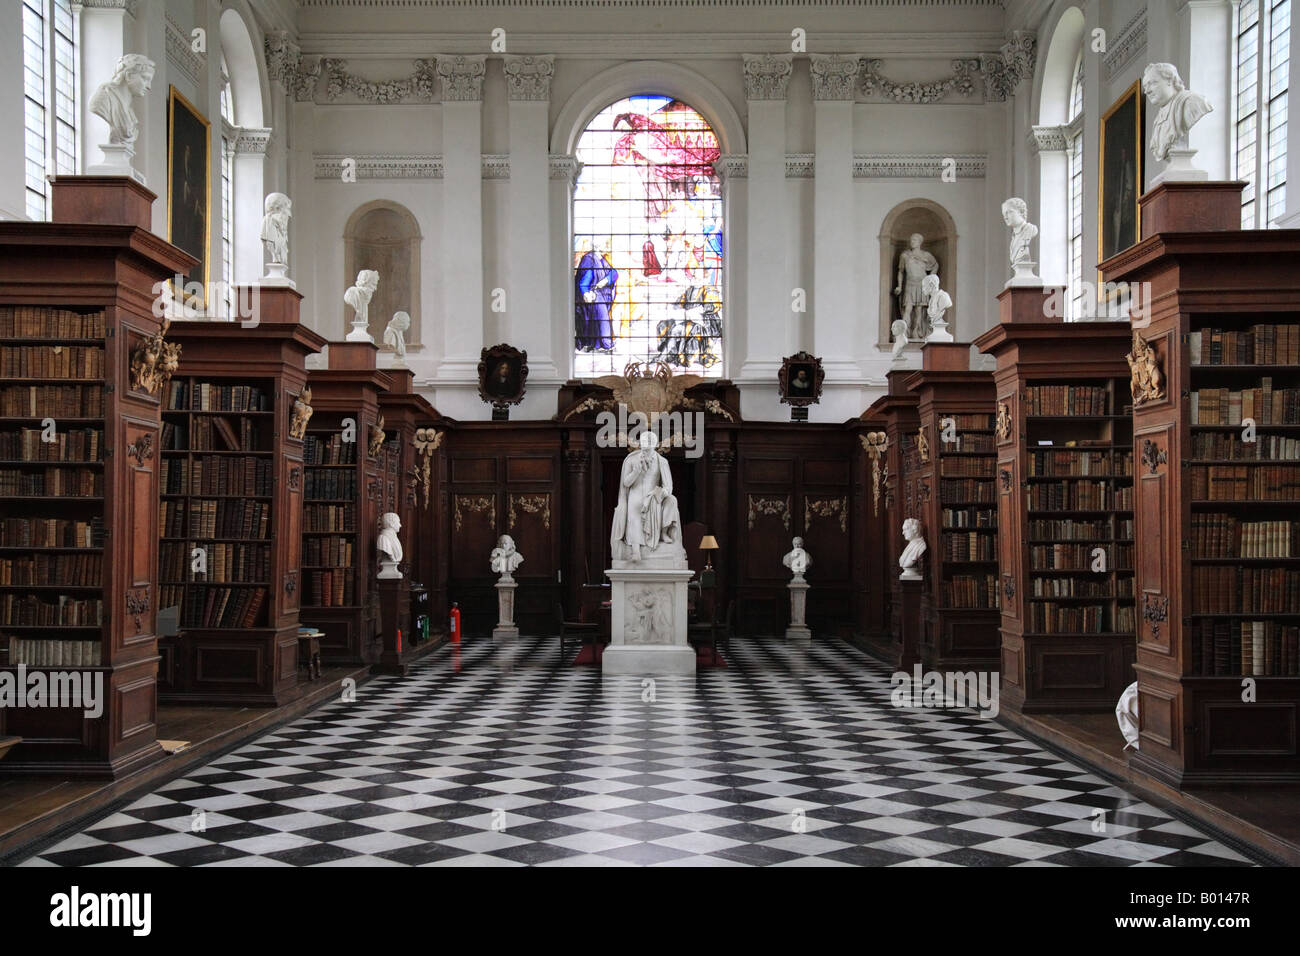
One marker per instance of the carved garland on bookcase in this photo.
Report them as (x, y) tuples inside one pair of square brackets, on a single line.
[(300, 414), (1153, 456), (154, 361), (829, 508), (1147, 376), (1155, 610), (1009, 588), (887, 481), (875, 444), (295, 478), (922, 445), (426, 442), (1004, 421), (923, 492), (137, 605), (761, 505), (530, 504), (472, 504), (1004, 476), (141, 449), (377, 437)]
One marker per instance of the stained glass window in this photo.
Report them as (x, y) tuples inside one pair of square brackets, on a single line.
[(648, 240)]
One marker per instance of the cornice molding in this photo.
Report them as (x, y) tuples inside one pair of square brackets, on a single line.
[(1132, 41), (696, 4), (380, 166), (127, 5), (496, 165), (917, 165), (180, 54), (767, 75), (528, 78), (800, 165), (462, 77)]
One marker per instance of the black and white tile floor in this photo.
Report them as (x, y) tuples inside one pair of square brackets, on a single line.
[(788, 757)]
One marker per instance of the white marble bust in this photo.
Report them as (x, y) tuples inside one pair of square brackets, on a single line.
[(111, 101), (1178, 109), (388, 545), (1015, 213), (395, 335), (275, 227), (910, 559), (505, 559), (937, 303), (797, 560), (899, 328), (359, 296)]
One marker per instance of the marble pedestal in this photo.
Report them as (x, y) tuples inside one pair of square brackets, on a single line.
[(648, 622), (798, 630), (506, 630)]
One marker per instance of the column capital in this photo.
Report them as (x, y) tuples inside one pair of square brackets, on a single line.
[(528, 78), (566, 167), (767, 75), (462, 77), (732, 166), (251, 140), (834, 76), (1048, 139)]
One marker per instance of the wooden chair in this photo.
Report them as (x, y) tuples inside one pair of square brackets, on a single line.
[(578, 632), (702, 627)]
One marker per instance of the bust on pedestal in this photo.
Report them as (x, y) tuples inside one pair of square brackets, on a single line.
[(390, 548), (798, 560), (277, 209), (111, 102), (648, 593), (910, 559), (505, 561)]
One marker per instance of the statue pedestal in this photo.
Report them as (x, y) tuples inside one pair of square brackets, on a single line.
[(277, 274), (798, 630), (388, 570), (116, 162), (506, 630), (648, 622)]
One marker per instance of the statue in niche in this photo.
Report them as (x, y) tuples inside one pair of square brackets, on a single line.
[(275, 227), (1178, 109), (505, 559), (646, 521), (359, 296), (914, 264), (111, 101)]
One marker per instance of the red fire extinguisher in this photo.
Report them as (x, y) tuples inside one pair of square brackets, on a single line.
[(454, 625)]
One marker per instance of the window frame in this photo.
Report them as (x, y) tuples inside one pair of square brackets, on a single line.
[(1074, 188), (56, 159), (1267, 137)]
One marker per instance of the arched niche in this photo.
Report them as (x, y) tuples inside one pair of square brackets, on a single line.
[(384, 236), (247, 70), (939, 231), (1052, 107)]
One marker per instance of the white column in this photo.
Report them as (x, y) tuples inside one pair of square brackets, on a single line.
[(834, 297), (150, 38), (1053, 206), (528, 320), (13, 198), (247, 169), (1205, 29), (462, 214), (734, 171), (103, 40), (564, 171), (767, 79)]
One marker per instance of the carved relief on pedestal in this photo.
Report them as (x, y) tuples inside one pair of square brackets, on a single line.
[(1146, 375)]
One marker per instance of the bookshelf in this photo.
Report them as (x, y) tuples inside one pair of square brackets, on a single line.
[(81, 369), (897, 410), (1218, 594), (1065, 510), (342, 501), (234, 481), (953, 459)]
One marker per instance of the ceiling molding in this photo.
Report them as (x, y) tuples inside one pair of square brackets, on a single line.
[(1132, 42), (380, 166), (918, 165)]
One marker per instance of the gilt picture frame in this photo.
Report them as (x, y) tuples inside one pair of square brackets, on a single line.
[(189, 189)]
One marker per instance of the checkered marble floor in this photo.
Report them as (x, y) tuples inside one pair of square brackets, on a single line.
[(790, 756)]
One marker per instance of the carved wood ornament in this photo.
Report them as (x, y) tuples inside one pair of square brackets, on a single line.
[(426, 441), (1147, 377), (876, 444), (154, 361), (300, 415), (1004, 421), (377, 437)]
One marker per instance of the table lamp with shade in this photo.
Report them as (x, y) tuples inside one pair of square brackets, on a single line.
[(708, 544)]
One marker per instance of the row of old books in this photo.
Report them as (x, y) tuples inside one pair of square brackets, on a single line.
[(52, 401), (334, 551), (319, 450), (1080, 463), (52, 482), (222, 606), (213, 562), (1229, 590), (975, 467), (330, 484), (29, 611), (216, 475), (51, 533), (1225, 536), (73, 444), (1241, 648), (1073, 529), (1244, 482), (228, 518), (1080, 496), (973, 517), (1258, 345), (969, 422), (1096, 586), (1047, 617), (51, 361), (962, 490), (1067, 400), (965, 442), (211, 397), (213, 433), (1265, 405), (317, 518), (43, 652), (971, 591), (1229, 445), (330, 589), (969, 546), (42, 570), (45, 322), (1117, 556)]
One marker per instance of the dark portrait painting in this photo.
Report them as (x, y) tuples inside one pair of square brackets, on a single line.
[(188, 185), (503, 375), (1120, 158), (502, 380), (800, 379)]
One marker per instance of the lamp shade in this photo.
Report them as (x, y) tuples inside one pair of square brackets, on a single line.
[(708, 543)]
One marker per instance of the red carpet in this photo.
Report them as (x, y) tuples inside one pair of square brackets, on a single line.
[(704, 657)]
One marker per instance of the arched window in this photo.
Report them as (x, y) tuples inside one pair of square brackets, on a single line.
[(1074, 173), (648, 240), (227, 180)]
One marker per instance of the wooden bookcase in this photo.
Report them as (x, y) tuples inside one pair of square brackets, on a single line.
[(1202, 536), (78, 537), (248, 654), (1065, 510), (342, 501), (952, 459)]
